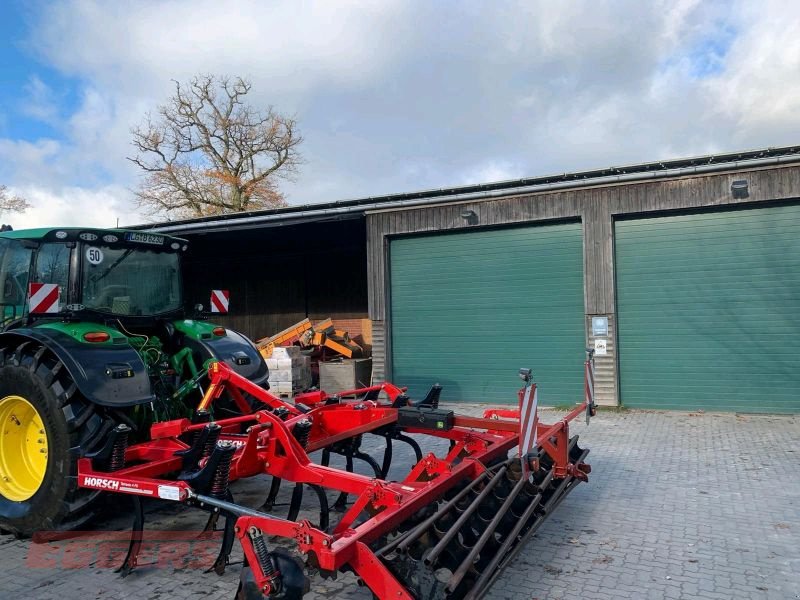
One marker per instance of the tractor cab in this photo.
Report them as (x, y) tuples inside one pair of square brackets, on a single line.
[(98, 274)]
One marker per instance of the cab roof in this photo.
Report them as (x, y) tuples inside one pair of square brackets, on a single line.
[(74, 233)]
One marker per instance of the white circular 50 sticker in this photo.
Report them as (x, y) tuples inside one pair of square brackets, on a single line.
[(94, 255)]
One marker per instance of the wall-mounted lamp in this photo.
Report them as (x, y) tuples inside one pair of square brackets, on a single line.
[(740, 189), (470, 216)]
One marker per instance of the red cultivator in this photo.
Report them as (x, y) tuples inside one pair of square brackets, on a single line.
[(445, 531)]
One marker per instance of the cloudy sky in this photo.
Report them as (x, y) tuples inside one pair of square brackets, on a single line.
[(392, 95)]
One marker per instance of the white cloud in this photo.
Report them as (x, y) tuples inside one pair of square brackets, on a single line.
[(72, 206)]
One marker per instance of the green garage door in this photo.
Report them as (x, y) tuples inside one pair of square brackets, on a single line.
[(469, 309), (709, 310)]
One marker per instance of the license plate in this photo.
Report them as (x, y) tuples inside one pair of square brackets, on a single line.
[(144, 238)]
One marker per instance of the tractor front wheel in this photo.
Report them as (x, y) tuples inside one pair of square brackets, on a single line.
[(45, 425)]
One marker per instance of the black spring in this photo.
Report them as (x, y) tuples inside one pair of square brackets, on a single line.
[(302, 431), (219, 484), (264, 558), (117, 459), (211, 441), (281, 412)]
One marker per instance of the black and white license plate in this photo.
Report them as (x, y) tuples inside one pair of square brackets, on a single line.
[(144, 238)]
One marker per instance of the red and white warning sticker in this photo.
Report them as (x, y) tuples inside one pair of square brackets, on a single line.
[(43, 298), (220, 300)]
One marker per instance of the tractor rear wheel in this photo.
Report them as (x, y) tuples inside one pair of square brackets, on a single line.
[(45, 425)]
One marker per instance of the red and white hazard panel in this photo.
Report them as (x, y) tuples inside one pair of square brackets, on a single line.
[(528, 419), (43, 298), (220, 300)]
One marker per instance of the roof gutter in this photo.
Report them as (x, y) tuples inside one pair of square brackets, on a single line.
[(352, 212)]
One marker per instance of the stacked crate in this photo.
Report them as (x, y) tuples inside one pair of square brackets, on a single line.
[(289, 371)]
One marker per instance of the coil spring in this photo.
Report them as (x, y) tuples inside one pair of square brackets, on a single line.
[(219, 483), (302, 431), (200, 416), (264, 558), (211, 441), (117, 459)]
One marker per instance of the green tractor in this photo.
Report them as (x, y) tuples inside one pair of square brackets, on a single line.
[(94, 335)]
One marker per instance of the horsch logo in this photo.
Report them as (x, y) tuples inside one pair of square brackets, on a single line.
[(100, 482)]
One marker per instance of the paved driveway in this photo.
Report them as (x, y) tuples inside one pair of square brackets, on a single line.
[(678, 506)]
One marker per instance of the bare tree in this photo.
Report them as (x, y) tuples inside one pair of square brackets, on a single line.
[(11, 203), (207, 152)]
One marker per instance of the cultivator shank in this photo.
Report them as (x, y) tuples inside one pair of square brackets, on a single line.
[(444, 531)]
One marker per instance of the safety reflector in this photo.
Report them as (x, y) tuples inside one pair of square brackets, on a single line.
[(43, 298), (220, 299)]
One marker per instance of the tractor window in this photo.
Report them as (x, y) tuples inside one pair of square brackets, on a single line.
[(15, 263), (52, 265), (130, 281)]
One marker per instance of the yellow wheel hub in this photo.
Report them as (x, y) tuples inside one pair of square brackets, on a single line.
[(23, 449)]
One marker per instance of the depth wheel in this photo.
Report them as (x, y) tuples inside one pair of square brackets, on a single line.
[(45, 425)]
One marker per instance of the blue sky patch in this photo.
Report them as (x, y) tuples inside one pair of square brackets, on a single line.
[(26, 84)]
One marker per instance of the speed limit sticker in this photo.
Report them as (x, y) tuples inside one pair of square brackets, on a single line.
[(94, 255)]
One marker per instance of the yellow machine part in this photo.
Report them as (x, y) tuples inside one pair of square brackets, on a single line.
[(23, 449)]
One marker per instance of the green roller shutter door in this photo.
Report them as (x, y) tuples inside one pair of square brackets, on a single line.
[(469, 309), (709, 310)]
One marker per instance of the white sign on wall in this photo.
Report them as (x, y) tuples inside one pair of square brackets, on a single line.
[(600, 347)]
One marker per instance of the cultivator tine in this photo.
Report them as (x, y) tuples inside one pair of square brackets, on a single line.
[(376, 468), (274, 489), (228, 538), (324, 510), (137, 530), (411, 442), (211, 524), (387, 458), (340, 505), (294, 504)]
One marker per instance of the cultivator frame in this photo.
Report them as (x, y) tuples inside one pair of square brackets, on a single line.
[(444, 531)]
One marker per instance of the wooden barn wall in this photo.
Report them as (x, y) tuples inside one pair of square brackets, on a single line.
[(596, 207), (281, 275)]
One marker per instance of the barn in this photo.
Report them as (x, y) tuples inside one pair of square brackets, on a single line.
[(683, 275)]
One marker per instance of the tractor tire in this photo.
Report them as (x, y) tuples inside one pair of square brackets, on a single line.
[(45, 426)]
